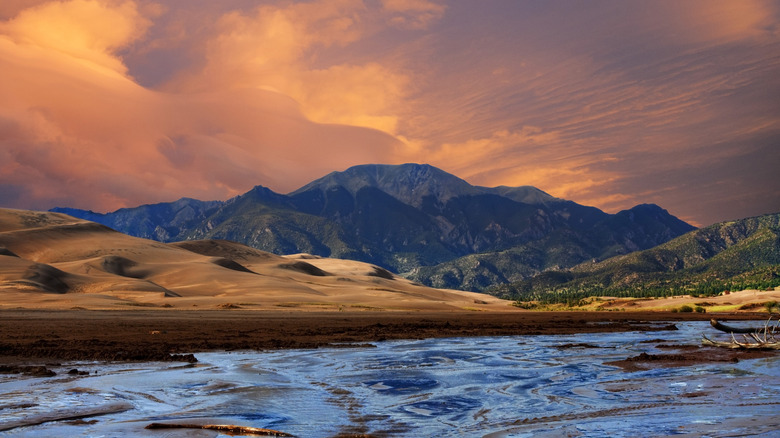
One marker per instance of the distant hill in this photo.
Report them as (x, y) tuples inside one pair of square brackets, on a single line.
[(413, 219), (598, 236), (731, 255), (161, 222)]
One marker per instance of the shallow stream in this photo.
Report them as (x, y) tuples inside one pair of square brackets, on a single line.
[(527, 386)]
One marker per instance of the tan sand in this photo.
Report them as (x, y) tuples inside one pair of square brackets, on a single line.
[(54, 261), (746, 300)]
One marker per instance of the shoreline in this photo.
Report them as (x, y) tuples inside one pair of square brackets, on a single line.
[(50, 336)]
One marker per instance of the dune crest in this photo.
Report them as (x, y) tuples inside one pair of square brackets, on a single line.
[(54, 261)]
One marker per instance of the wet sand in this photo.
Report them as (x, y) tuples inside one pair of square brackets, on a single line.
[(140, 335)]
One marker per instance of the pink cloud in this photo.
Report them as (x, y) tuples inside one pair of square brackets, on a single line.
[(78, 130), (110, 103), (413, 14)]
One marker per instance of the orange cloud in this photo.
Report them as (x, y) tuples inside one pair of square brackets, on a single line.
[(83, 29), (526, 157), (11, 8), (75, 129), (713, 22), (273, 48), (414, 14), (110, 103)]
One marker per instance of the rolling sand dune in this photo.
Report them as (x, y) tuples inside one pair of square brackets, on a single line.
[(54, 261), (746, 300)]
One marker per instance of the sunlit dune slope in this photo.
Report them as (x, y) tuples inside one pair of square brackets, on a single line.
[(51, 260)]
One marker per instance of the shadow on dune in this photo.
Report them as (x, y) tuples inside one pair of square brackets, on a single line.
[(7, 252), (46, 277), (305, 268), (223, 248), (232, 265), (122, 266)]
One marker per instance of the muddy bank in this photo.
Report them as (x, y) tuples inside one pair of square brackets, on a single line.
[(160, 335), (686, 355)]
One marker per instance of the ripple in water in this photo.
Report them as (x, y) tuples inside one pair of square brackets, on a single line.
[(494, 387)]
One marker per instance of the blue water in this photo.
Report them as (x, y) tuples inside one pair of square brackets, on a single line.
[(525, 386)]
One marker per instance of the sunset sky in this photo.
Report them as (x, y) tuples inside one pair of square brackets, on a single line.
[(107, 104)]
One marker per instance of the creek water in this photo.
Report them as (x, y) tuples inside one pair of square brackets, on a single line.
[(485, 386)]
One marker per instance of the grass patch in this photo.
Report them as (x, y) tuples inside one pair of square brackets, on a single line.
[(751, 306), (366, 307), (724, 308)]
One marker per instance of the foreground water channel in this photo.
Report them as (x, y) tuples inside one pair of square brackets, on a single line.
[(493, 387)]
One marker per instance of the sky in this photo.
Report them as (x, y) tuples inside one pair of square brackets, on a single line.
[(116, 103)]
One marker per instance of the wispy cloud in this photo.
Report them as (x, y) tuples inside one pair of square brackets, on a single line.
[(626, 104), (115, 103), (76, 129)]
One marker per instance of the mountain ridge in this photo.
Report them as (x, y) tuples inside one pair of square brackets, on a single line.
[(409, 218), (730, 255)]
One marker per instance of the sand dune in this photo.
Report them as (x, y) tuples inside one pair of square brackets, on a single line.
[(54, 261), (746, 300), (51, 260)]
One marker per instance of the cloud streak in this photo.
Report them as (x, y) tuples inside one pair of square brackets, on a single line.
[(671, 94), (78, 130), (117, 103)]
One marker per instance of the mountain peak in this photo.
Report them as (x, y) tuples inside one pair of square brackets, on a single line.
[(409, 182), (648, 208), (651, 216), (524, 194), (653, 211), (412, 218)]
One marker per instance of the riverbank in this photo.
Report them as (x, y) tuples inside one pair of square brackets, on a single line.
[(147, 335), (477, 386)]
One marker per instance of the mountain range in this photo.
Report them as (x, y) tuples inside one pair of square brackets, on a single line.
[(727, 256), (414, 219)]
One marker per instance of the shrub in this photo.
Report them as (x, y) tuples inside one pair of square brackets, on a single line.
[(528, 305), (700, 309), (686, 308)]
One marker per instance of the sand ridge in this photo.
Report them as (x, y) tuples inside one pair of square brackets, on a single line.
[(54, 261)]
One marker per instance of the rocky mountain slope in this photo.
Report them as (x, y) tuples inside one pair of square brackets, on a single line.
[(733, 255), (413, 219)]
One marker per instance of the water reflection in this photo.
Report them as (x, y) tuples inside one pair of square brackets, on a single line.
[(496, 387)]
